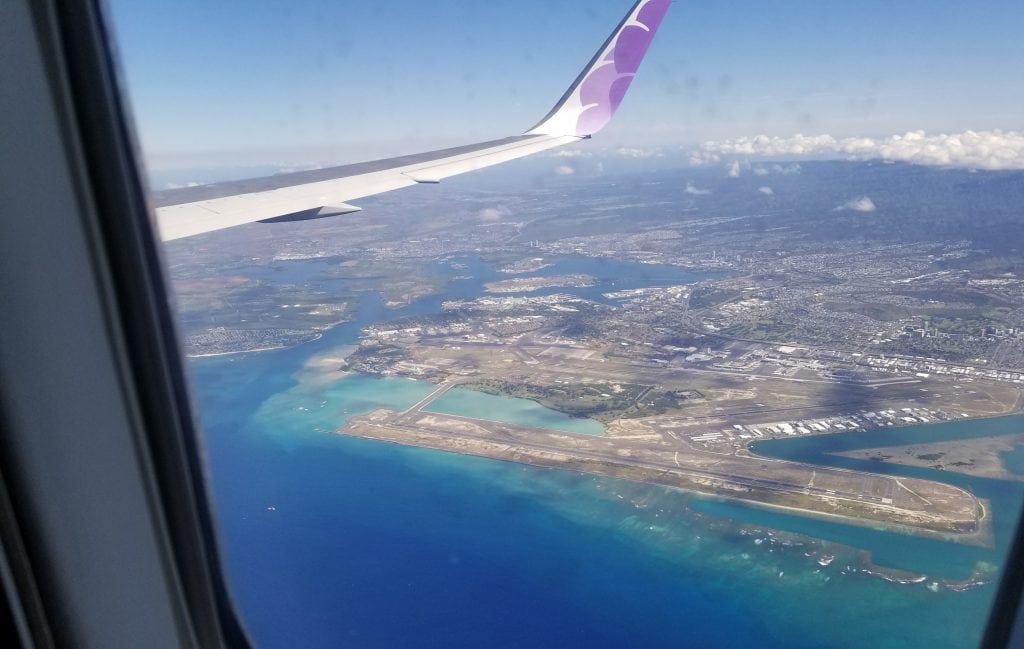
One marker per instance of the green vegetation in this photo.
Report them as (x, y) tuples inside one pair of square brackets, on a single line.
[(955, 325), (707, 296), (604, 402), (882, 312)]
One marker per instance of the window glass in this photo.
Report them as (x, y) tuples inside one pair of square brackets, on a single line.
[(745, 369)]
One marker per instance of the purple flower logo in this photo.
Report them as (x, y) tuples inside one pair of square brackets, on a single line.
[(590, 104)]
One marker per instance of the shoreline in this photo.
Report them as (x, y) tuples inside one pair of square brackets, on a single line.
[(316, 337), (747, 489), (240, 351), (980, 538), (825, 552), (477, 384)]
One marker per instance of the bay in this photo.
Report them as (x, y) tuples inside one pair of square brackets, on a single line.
[(331, 541)]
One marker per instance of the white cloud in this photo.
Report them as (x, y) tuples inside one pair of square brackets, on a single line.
[(285, 168), (972, 149), (761, 171), (734, 169), (494, 213), (571, 153), (786, 170), (180, 185), (636, 152), (691, 189), (699, 157), (564, 170), (859, 204), (767, 191)]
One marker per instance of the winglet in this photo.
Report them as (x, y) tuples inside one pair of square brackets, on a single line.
[(592, 99)]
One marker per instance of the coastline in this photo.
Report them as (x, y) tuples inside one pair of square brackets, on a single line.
[(240, 351), (317, 336), (823, 552), (770, 493)]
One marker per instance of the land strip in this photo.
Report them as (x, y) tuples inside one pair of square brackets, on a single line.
[(636, 450)]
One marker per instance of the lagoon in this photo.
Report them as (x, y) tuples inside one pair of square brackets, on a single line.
[(511, 410), (334, 541)]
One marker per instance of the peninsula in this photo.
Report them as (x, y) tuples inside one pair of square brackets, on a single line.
[(646, 450)]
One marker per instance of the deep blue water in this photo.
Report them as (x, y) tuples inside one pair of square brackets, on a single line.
[(334, 542)]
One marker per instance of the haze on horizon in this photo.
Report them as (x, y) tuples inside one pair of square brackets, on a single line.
[(269, 84)]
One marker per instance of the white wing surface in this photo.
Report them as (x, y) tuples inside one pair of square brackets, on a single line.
[(584, 109)]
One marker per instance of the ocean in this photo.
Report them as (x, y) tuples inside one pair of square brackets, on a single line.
[(331, 541)]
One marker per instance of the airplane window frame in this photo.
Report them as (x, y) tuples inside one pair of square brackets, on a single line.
[(126, 269), (152, 502)]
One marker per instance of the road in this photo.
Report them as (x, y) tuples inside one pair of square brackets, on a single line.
[(492, 432), (430, 398)]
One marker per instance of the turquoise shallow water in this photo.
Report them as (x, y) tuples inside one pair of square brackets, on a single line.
[(332, 541), (1004, 496), (294, 416), (525, 412), (376, 542)]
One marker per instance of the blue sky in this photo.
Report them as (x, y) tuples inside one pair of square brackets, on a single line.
[(269, 81)]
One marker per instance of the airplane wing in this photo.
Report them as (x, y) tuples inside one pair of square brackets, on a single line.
[(583, 110)]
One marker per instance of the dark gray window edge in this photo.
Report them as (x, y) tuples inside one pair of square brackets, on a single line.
[(109, 540)]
